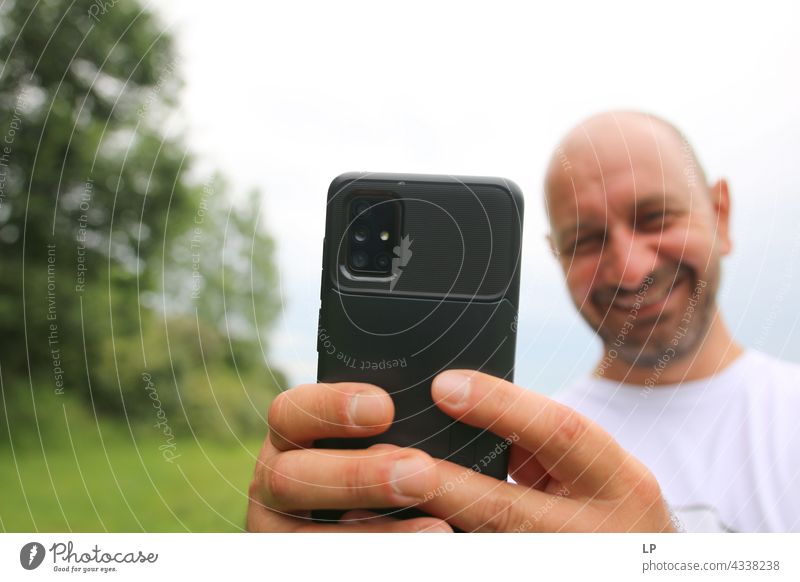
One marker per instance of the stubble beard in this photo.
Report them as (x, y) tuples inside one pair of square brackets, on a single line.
[(682, 341)]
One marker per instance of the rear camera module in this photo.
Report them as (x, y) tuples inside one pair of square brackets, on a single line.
[(374, 226)]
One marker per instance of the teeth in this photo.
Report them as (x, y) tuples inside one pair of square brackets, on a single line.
[(650, 297), (655, 297)]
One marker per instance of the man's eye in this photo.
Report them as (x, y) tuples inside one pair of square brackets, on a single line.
[(652, 221), (587, 243)]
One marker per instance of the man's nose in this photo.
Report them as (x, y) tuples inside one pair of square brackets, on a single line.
[(627, 259)]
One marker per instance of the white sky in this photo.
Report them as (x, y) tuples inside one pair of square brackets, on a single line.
[(284, 96)]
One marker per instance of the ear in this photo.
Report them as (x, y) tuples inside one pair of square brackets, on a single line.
[(721, 201)]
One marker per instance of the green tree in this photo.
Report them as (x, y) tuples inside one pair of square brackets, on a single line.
[(96, 209)]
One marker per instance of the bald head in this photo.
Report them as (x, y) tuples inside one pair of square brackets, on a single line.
[(631, 215), (591, 144)]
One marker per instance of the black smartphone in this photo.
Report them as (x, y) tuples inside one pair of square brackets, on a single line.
[(420, 274)]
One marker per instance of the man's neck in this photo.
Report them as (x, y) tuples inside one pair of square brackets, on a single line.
[(717, 350)]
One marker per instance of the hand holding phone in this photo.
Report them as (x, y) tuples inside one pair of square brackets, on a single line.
[(570, 474)]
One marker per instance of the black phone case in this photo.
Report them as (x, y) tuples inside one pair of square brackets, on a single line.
[(451, 302)]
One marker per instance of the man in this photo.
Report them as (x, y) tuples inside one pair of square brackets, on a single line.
[(640, 236)]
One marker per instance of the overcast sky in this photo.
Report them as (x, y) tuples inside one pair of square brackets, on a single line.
[(284, 96)]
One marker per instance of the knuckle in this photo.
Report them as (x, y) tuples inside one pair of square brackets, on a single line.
[(498, 513), (356, 480), (257, 487), (277, 482), (571, 426), (277, 411), (645, 500), (646, 489)]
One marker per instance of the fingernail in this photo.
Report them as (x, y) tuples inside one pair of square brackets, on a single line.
[(366, 409), (451, 387), (406, 475)]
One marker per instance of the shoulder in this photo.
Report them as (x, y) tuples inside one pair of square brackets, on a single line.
[(767, 388), (765, 373)]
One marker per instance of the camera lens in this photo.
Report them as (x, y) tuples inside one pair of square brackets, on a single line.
[(360, 233), (359, 259), (360, 207), (382, 262)]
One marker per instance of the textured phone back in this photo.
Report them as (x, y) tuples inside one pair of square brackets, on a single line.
[(451, 302)]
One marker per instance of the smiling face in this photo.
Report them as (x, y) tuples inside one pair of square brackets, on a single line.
[(638, 234)]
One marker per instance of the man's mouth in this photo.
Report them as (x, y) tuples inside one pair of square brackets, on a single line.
[(650, 299)]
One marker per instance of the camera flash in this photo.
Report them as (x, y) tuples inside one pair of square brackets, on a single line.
[(384, 235)]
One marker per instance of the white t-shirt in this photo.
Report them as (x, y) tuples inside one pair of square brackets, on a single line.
[(725, 449)]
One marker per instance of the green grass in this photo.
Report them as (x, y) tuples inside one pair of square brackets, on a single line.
[(100, 477)]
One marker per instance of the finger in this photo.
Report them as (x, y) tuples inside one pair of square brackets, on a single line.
[(472, 501), (264, 520), (261, 519), (570, 447), (346, 479), (315, 411), (416, 525), (362, 515), (384, 447), (526, 470)]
